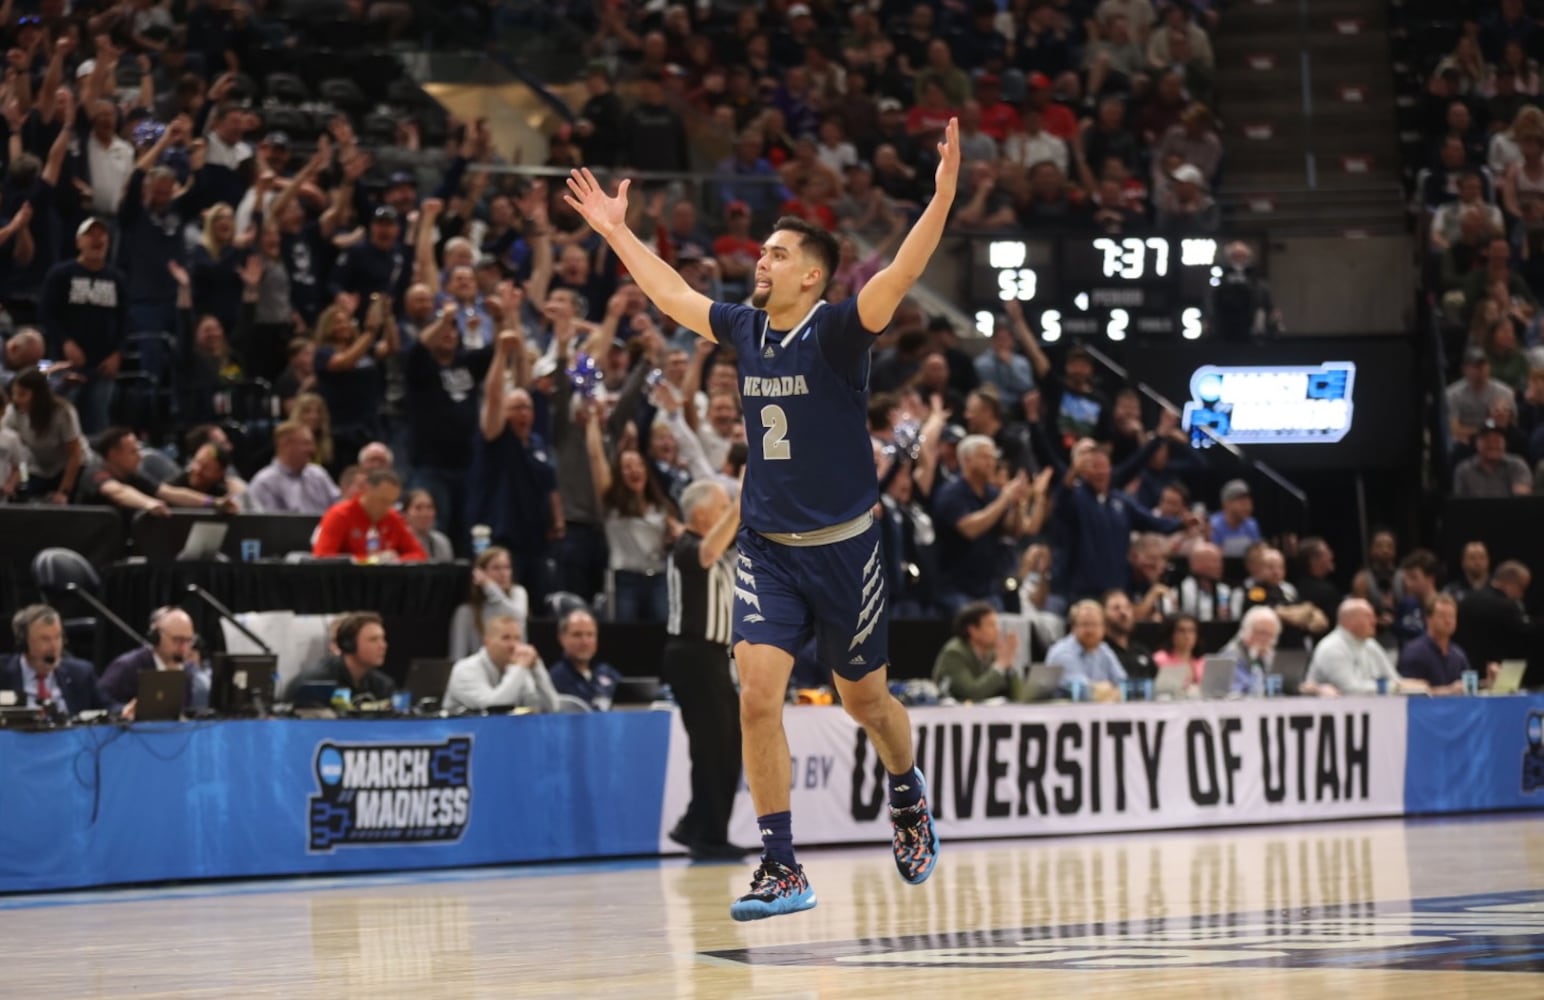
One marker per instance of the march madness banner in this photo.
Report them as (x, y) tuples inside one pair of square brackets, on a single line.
[(1059, 769)]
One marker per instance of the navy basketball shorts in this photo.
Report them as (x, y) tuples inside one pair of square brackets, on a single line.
[(784, 594)]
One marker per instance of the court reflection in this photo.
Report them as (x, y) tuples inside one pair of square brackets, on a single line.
[(392, 943)]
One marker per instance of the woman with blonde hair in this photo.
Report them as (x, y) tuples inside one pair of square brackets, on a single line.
[(215, 267), (494, 593), (311, 409), (350, 368)]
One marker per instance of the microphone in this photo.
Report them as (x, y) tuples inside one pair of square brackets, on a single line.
[(106, 612), (226, 614)]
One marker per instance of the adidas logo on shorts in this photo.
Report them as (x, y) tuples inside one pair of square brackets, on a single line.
[(857, 661)]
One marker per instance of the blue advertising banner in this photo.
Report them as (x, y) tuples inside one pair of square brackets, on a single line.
[(105, 805), (1475, 754)]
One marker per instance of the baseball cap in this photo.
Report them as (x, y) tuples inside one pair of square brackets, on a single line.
[(1491, 427), (277, 138), (1189, 174), (798, 10), (400, 177), (545, 365), (954, 434), (737, 207), (487, 260), (1039, 81), (988, 80), (85, 69), (889, 104), (690, 252), (1475, 356), (1233, 489), (85, 226), (385, 213)]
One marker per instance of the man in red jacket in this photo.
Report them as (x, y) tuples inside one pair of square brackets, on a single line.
[(368, 526)]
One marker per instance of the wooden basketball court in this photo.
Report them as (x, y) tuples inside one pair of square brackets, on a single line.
[(1380, 909)]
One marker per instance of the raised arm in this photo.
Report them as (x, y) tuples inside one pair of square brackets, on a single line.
[(493, 420), (595, 448), (719, 537), (879, 298), (668, 291)]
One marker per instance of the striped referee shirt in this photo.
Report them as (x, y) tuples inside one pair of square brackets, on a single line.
[(701, 600), (1220, 604)]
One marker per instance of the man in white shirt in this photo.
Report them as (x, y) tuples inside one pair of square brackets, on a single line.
[(109, 158), (226, 127), (505, 673), (1349, 659)]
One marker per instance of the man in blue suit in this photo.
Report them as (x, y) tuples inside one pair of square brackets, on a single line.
[(40, 674)]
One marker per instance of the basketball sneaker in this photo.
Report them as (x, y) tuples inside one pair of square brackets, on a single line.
[(775, 889), (915, 842)]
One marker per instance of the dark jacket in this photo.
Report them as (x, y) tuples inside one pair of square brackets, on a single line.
[(120, 681), (374, 684), (75, 678)]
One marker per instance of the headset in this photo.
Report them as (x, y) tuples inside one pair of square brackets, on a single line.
[(153, 631), (347, 635), (22, 622)]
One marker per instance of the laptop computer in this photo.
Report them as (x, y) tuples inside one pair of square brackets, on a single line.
[(636, 691), (1171, 681), (1510, 679), (427, 680), (1043, 683), (1217, 680), (162, 695), (204, 541), (1292, 666)]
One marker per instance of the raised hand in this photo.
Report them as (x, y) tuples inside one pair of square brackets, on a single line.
[(603, 212), (948, 175)]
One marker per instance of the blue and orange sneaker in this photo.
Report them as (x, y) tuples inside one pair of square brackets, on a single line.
[(775, 889), (916, 841)]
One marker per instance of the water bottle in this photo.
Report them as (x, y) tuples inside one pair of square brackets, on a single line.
[(1257, 680), (482, 537), (373, 545)]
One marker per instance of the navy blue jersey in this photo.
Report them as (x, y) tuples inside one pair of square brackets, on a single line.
[(805, 393)]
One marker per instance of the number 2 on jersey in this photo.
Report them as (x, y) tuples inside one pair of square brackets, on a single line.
[(774, 443)]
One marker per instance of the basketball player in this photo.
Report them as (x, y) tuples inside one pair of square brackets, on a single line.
[(808, 560)]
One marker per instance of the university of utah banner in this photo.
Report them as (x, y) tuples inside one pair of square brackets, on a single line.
[(1059, 769)]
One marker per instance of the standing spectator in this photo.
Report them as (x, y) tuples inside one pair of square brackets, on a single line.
[(977, 661), (1092, 530), (290, 484), (972, 516), (215, 267), (1474, 571), (1419, 570), (1315, 584), (50, 436), (1432, 657), (1349, 659), (109, 160), (601, 119), (578, 673), (511, 487), (349, 369), (1002, 366), (84, 317), (494, 592), (368, 526), (505, 673), (653, 136), (1234, 528), (151, 218), (377, 266), (418, 510), (639, 525), (1492, 472), (1492, 624)]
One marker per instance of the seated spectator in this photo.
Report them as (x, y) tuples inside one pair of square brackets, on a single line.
[(116, 481), (1315, 585), (578, 673), (1472, 399), (1253, 647), (299, 375), (1179, 646), (359, 641), (23, 349), (1491, 471), (1447, 221), (1234, 528), (419, 512), (13, 457), (1194, 140), (1241, 308), (1270, 588), (972, 516), (1433, 658), (1492, 622), (1148, 558), (173, 646), (1185, 206), (1202, 593), (39, 673), (1349, 659), (505, 673), (291, 484), (1084, 656), (494, 592), (375, 455), (1474, 571), (1136, 660), (977, 661), (368, 527), (49, 431)]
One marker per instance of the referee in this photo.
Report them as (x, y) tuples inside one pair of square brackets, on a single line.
[(701, 578)]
